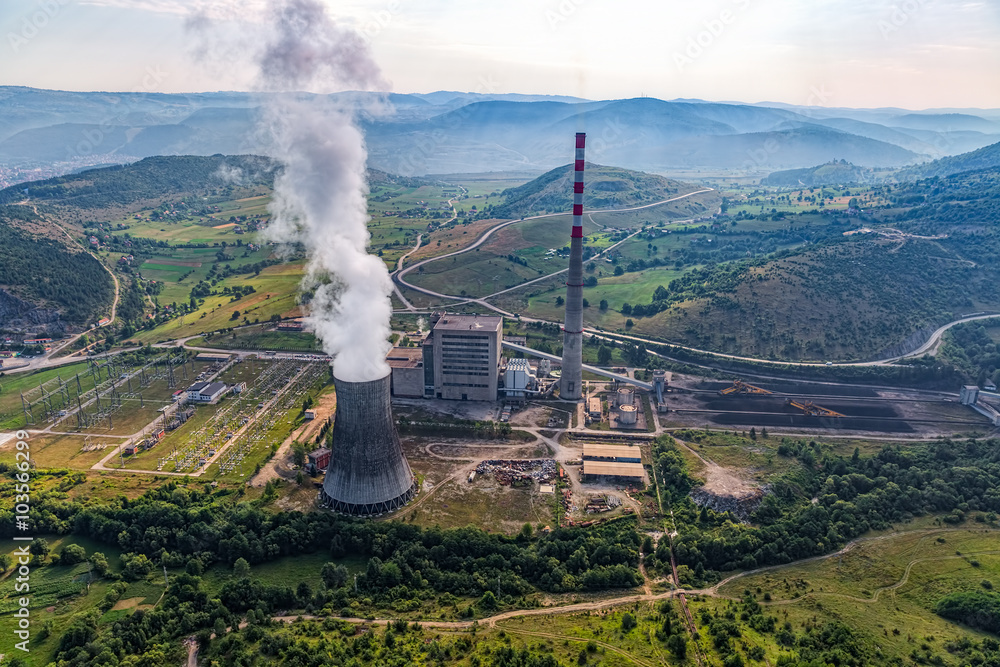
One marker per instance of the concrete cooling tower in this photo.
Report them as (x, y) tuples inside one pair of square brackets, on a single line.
[(368, 474)]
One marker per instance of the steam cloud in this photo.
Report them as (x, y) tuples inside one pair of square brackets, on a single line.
[(319, 199)]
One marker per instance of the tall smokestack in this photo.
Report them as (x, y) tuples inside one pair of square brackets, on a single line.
[(571, 383), (368, 474)]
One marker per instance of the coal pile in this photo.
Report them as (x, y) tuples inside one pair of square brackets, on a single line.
[(778, 405), (808, 421), (800, 388)]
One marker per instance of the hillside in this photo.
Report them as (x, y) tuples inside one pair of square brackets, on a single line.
[(832, 173), (805, 306), (857, 296), (606, 188), (43, 285), (987, 157), (145, 180)]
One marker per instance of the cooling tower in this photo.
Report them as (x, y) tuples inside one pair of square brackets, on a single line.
[(571, 383), (367, 473)]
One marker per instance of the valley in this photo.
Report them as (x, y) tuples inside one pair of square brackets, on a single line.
[(827, 514)]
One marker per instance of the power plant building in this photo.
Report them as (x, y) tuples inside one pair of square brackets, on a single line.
[(407, 364), (519, 379), (464, 353)]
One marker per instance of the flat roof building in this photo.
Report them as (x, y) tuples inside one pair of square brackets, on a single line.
[(407, 364), (205, 392), (318, 460), (465, 352), (210, 356)]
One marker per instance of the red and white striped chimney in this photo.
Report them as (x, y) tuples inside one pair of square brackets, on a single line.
[(571, 382)]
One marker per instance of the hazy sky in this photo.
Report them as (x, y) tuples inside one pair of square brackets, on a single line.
[(863, 53)]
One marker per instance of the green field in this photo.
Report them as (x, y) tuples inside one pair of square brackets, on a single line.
[(260, 337), (627, 288), (883, 588), (276, 290), (12, 386), (58, 594)]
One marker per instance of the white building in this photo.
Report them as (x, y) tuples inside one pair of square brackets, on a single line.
[(518, 379), (205, 392)]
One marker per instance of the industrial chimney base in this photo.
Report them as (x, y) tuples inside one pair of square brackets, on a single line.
[(368, 509)]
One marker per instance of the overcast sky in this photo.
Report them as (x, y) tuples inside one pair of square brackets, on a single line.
[(862, 53)]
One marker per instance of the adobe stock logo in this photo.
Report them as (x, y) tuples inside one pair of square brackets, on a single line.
[(34, 22), (714, 28)]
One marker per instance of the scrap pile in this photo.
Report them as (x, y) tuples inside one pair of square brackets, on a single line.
[(598, 504), (519, 471)]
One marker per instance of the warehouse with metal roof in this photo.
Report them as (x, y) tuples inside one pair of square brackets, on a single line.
[(631, 471), (611, 453)]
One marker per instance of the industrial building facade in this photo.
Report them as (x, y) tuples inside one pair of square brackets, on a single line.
[(458, 360), (407, 364), (465, 356)]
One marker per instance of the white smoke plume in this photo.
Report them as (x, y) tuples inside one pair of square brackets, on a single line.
[(320, 196)]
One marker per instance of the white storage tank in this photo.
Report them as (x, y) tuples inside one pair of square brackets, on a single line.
[(628, 414), (626, 396)]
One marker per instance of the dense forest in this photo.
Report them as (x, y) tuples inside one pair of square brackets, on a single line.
[(971, 349), (43, 271), (853, 495), (193, 528), (977, 609)]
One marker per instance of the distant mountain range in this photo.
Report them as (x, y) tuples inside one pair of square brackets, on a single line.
[(54, 132)]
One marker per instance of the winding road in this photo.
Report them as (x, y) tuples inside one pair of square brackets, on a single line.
[(399, 279), (399, 276)]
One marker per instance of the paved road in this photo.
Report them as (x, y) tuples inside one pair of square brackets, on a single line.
[(400, 276)]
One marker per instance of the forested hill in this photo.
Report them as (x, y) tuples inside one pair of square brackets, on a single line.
[(987, 157), (153, 177), (606, 188), (837, 172), (145, 180), (42, 284)]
